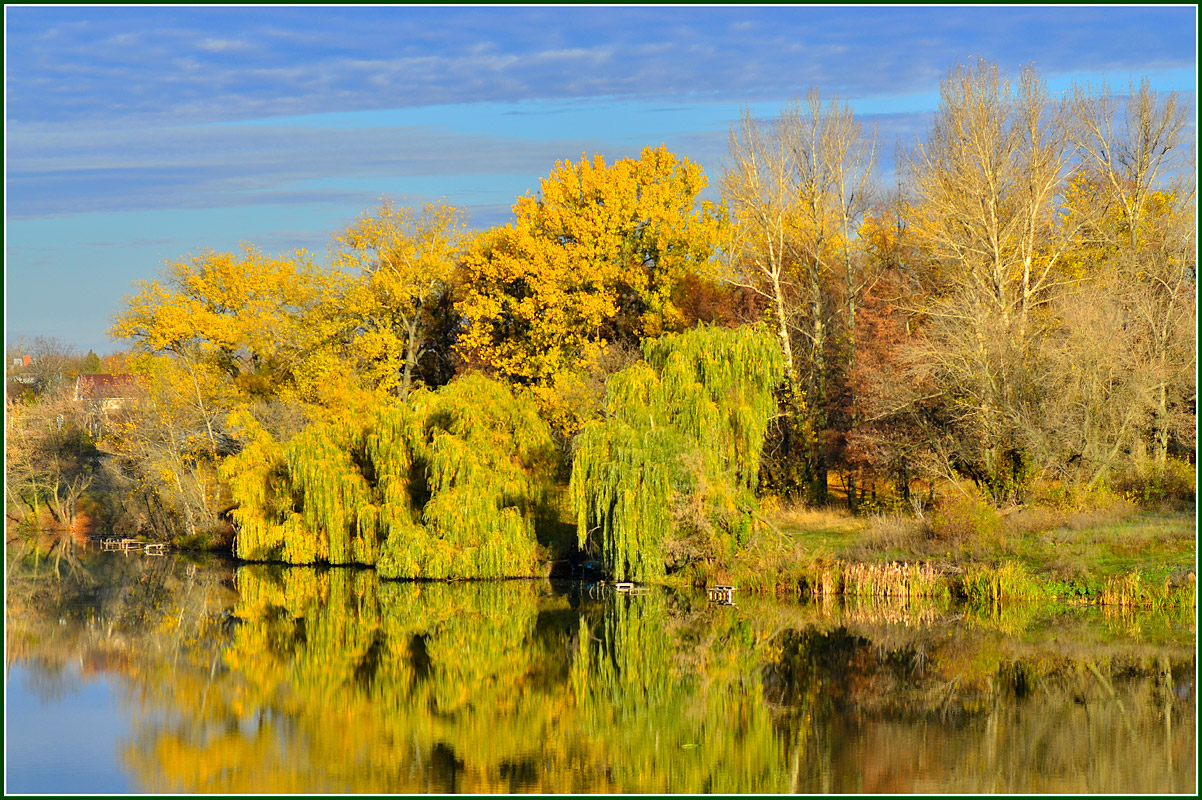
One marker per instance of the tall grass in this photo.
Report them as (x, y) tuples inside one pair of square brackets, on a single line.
[(1132, 589), (1009, 581), (823, 577)]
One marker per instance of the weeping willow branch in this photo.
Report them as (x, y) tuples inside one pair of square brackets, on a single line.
[(680, 446), (449, 485)]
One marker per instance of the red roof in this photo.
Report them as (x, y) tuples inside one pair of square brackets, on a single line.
[(104, 385)]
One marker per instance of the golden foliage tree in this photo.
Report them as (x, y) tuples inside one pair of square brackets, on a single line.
[(593, 258), (407, 259), (248, 315)]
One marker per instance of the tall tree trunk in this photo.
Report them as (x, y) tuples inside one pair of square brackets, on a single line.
[(410, 358), (200, 403), (1162, 428), (796, 440), (853, 411), (817, 398), (782, 327)]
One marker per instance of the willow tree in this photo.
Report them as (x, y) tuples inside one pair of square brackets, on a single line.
[(486, 462), (678, 452), (450, 485), (318, 498)]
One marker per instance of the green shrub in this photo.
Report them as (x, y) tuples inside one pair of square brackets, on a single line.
[(1176, 484)]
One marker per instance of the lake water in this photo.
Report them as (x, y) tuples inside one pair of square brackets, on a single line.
[(197, 676)]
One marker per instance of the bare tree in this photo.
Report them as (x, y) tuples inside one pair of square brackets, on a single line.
[(53, 363), (986, 184), (796, 188), (987, 181), (50, 460), (1140, 151), (759, 189)]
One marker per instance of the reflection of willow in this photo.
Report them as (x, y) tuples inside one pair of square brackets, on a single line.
[(669, 715), (338, 682), (333, 681)]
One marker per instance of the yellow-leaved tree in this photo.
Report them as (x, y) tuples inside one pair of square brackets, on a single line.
[(219, 332), (591, 260), (249, 315), (407, 260)]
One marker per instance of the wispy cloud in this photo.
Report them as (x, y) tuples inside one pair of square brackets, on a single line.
[(135, 134), (54, 171), (212, 45), (181, 63), (143, 242)]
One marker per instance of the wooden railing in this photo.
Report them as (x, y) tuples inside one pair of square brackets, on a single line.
[(113, 544)]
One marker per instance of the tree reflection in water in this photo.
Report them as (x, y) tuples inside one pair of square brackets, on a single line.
[(331, 680)]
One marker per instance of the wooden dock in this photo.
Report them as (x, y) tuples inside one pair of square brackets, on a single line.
[(597, 590), (112, 544), (721, 594)]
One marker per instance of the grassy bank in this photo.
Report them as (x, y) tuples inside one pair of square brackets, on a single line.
[(1115, 555)]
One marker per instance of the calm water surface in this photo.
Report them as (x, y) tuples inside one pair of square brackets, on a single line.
[(170, 675)]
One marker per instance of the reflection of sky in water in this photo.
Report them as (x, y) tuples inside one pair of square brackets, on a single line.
[(64, 741)]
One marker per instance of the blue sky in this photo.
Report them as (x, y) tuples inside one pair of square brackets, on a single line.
[(138, 135)]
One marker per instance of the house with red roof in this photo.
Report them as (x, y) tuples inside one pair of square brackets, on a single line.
[(105, 392)]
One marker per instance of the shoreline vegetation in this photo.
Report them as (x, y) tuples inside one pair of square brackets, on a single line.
[(1123, 557), (1116, 556), (978, 384)]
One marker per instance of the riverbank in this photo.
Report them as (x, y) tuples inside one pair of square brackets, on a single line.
[(1117, 555), (1114, 554)]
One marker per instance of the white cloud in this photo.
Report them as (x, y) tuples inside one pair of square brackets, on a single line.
[(124, 40), (211, 45), (596, 55)]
